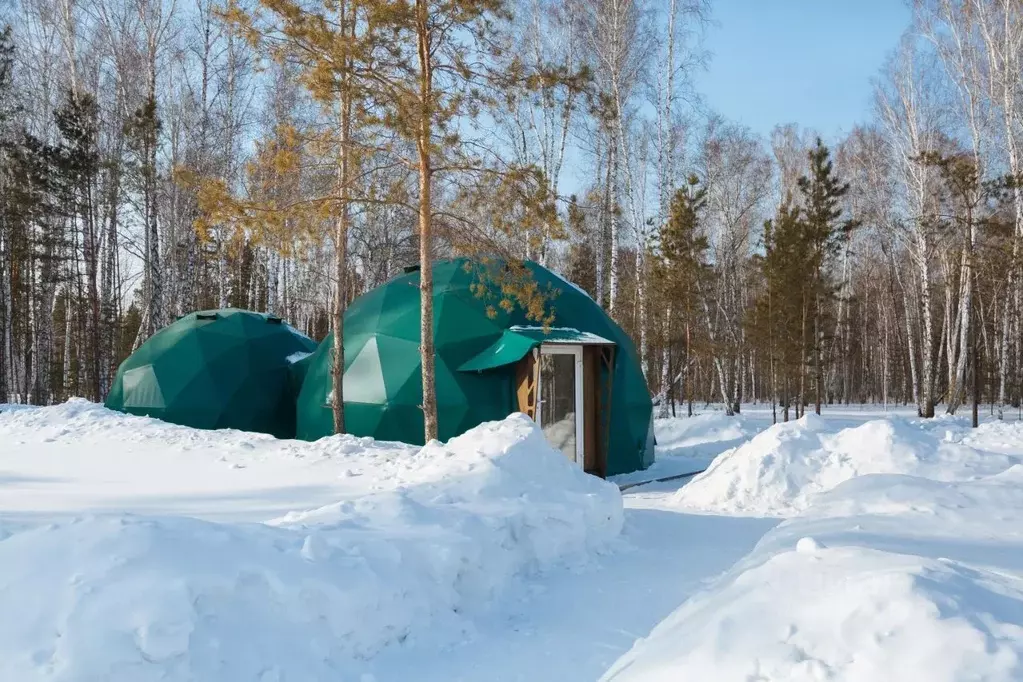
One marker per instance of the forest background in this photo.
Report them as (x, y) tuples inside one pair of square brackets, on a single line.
[(163, 156)]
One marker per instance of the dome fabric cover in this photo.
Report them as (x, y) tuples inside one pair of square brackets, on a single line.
[(383, 380), (216, 369)]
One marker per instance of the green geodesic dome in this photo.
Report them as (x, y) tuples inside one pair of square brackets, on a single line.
[(383, 381), (216, 369)]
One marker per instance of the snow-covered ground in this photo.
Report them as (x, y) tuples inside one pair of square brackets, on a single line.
[(688, 445), (864, 545), (135, 550), (901, 559)]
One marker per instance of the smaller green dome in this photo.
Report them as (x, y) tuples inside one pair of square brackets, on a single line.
[(216, 369)]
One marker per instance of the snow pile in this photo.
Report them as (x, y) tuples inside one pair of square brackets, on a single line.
[(409, 556), (780, 471), (850, 614), (887, 577)]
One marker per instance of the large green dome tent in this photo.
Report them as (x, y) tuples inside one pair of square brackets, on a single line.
[(485, 353), (216, 369)]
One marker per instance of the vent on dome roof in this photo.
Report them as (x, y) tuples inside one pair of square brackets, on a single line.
[(206, 316)]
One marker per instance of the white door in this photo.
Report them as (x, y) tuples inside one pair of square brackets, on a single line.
[(560, 398)]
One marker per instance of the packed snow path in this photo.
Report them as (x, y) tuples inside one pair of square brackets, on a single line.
[(571, 625)]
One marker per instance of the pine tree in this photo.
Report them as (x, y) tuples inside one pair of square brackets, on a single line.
[(779, 313), (338, 52), (825, 233), (682, 267), (443, 86)]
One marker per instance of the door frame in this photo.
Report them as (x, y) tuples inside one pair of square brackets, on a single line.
[(575, 350)]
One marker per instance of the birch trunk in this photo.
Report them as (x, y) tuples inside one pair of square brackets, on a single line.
[(957, 390), (66, 373), (5, 306), (641, 278), (927, 342), (911, 345), (665, 365), (605, 217), (615, 218), (719, 365)]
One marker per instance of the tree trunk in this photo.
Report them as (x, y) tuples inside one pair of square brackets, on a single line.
[(665, 365), (91, 252), (644, 351), (4, 308), (975, 361), (66, 373), (688, 369), (800, 405), (423, 144), (818, 369), (957, 391), (341, 242), (337, 368), (927, 342), (600, 265)]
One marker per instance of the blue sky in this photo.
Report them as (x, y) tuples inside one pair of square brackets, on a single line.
[(798, 61)]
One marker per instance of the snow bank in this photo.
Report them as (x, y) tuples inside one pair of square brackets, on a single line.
[(913, 574), (887, 577), (850, 614), (413, 556), (780, 471)]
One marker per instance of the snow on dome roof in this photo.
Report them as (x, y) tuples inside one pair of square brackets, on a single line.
[(566, 335)]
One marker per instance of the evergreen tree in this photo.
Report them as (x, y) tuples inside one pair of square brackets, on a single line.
[(779, 314), (399, 79), (433, 95), (825, 233), (338, 52), (683, 267)]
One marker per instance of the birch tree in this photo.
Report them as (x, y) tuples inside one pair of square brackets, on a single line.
[(906, 107)]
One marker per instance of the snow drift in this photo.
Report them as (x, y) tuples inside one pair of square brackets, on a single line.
[(412, 556), (850, 614), (881, 576), (780, 471)]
